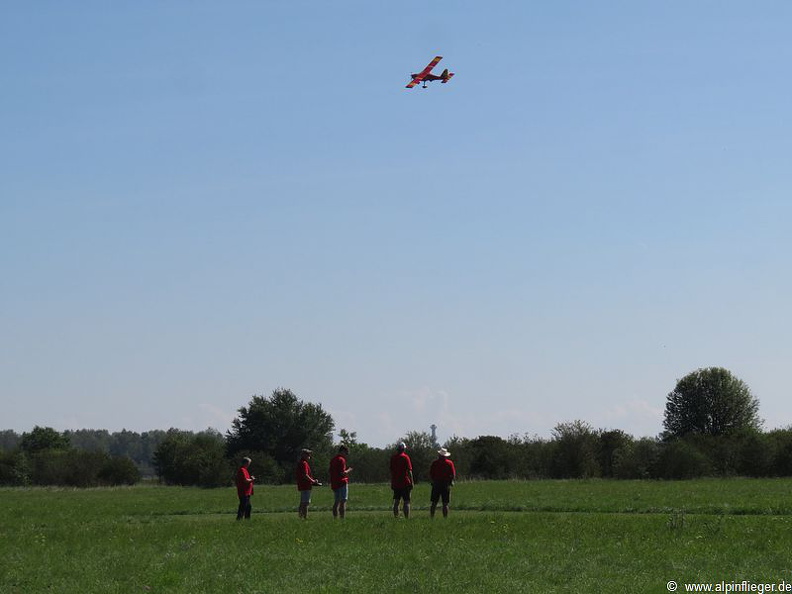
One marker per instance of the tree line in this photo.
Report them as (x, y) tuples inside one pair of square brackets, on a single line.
[(711, 428), (82, 458)]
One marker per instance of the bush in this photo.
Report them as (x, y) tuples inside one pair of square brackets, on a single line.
[(119, 470), (70, 468), (491, 457), (610, 442), (681, 459), (535, 458), (574, 451), (82, 468), (14, 470), (755, 455), (636, 459), (197, 459), (780, 446), (48, 467)]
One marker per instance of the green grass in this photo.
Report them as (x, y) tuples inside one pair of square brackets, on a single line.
[(540, 536)]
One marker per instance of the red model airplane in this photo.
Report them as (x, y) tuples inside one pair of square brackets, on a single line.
[(425, 75)]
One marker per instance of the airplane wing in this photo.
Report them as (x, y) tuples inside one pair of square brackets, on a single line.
[(420, 76)]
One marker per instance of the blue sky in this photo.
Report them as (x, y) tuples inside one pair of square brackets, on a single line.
[(203, 202)]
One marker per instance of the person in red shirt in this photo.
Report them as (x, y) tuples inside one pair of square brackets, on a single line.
[(442, 472), (244, 485), (339, 481), (305, 482), (401, 479)]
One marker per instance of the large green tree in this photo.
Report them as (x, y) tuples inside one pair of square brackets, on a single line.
[(42, 439), (711, 401), (280, 426)]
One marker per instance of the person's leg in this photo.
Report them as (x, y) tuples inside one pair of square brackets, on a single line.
[(446, 499), (396, 498), (406, 508), (243, 503), (248, 508), (434, 499), (343, 496), (305, 501), (302, 511)]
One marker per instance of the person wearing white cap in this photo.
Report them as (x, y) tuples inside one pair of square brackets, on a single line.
[(305, 482), (401, 479), (339, 481), (244, 485), (442, 472)]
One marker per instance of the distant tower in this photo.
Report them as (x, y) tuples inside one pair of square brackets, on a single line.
[(433, 427)]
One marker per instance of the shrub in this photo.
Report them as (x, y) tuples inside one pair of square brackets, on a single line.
[(186, 458), (13, 469), (780, 445), (119, 470), (681, 459), (636, 459), (491, 458), (611, 442), (574, 451)]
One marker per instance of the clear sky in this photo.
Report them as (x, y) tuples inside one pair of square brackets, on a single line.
[(203, 201)]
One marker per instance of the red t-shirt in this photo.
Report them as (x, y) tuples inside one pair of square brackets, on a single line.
[(243, 483), (442, 470), (303, 476), (337, 476), (400, 467)]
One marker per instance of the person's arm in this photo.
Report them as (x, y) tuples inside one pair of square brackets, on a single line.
[(308, 476)]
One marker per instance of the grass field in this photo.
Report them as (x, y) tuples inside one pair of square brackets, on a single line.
[(539, 536)]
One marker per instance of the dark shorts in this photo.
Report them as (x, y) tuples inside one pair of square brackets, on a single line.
[(402, 493), (441, 490)]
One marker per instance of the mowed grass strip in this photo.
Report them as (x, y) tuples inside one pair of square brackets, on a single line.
[(591, 535)]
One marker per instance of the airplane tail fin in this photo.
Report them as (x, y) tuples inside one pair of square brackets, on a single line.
[(446, 76)]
